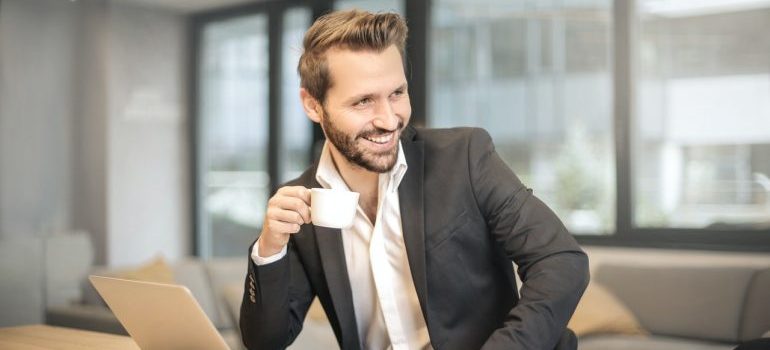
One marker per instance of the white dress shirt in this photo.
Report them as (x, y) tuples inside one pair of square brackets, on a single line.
[(387, 310)]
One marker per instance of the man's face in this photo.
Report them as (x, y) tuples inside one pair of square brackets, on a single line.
[(366, 108)]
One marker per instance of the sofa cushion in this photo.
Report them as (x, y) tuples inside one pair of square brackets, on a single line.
[(688, 301), (68, 257), (756, 314), (600, 312), (224, 272), (155, 270), (21, 281), (626, 342), (192, 274)]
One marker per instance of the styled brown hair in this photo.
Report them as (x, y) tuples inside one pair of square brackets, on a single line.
[(353, 30)]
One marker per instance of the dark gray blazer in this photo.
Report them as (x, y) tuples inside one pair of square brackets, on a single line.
[(465, 217)]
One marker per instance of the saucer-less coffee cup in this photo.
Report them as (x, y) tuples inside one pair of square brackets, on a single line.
[(333, 208)]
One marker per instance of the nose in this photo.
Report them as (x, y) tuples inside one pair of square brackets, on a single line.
[(386, 117)]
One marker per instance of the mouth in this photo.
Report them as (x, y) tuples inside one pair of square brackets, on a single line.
[(382, 139)]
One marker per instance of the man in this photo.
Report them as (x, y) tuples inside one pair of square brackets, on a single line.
[(427, 262)]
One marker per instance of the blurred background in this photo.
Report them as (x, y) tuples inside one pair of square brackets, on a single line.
[(160, 127)]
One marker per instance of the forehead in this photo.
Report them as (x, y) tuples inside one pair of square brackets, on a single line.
[(356, 72)]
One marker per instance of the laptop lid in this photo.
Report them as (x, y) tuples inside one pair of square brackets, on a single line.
[(159, 316)]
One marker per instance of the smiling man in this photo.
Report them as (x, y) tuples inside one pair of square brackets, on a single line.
[(427, 261)]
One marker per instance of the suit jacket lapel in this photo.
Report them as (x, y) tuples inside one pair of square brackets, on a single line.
[(335, 271), (410, 194)]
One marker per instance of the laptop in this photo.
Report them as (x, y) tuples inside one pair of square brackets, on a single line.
[(159, 316)]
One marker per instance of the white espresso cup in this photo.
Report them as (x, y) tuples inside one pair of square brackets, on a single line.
[(333, 208)]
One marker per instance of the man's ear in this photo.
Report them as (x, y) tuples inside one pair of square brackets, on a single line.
[(311, 106)]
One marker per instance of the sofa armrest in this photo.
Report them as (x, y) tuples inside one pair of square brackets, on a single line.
[(88, 317)]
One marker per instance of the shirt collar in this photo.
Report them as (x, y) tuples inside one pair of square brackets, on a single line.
[(328, 176)]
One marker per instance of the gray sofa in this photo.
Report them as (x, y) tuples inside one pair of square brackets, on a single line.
[(208, 281), (708, 307), (684, 300)]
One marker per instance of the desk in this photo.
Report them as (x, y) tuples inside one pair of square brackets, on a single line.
[(39, 337)]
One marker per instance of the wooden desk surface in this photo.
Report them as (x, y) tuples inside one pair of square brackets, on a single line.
[(38, 337)]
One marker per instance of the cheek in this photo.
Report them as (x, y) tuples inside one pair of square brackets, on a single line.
[(403, 108), (349, 123)]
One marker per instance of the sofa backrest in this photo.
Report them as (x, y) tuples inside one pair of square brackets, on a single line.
[(205, 279), (192, 274), (222, 274), (21, 281), (705, 302), (68, 257), (756, 312)]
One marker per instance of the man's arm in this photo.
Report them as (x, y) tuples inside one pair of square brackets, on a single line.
[(275, 301), (552, 267), (277, 294)]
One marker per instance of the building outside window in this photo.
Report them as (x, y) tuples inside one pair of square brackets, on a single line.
[(701, 146), (537, 76)]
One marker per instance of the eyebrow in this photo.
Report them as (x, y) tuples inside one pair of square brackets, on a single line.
[(357, 98)]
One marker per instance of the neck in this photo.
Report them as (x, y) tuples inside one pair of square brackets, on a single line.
[(359, 180)]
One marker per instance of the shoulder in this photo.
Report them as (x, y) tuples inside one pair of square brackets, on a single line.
[(447, 136), (453, 140)]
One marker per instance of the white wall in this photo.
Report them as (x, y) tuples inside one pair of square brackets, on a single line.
[(148, 170), (37, 41), (93, 130)]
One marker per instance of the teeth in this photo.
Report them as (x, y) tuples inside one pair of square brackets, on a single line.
[(380, 139)]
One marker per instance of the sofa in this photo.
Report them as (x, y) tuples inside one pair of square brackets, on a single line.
[(685, 306), (217, 285), (207, 280), (669, 300)]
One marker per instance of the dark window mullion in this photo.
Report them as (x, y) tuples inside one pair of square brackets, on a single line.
[(623, 14), (418, 17), (275, 142), (320, 8), (194, 29)]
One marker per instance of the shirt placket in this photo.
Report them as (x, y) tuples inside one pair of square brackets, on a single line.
[(384, 275)]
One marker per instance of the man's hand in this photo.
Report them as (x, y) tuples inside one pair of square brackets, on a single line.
[(287, 210)]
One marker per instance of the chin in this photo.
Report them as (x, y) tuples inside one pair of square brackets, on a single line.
[(380, 165)]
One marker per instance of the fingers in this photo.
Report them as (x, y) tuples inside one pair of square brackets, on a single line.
[(287, 210), (285, 216), (298, 192), (281, 228), (296, 199)]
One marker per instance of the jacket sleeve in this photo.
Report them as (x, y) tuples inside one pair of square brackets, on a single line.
[(275, 301), (551, 265)]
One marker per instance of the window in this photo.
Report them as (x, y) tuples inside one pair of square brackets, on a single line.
[(251, 131), (640, 122), (371, 5), (537, 77), (296, 128), (233, 124), (702, 128)]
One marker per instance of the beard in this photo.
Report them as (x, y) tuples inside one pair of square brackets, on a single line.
[(355, 153)]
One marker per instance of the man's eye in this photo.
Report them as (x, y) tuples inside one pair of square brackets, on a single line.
[(398, 93), (364, 102)]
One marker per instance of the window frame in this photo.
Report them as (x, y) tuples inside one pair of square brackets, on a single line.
[(417, 13), (196, 23)]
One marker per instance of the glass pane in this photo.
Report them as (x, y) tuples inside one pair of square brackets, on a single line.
[(297, 129), (396, 6), (536, 75), (233, 134), (702, 127)]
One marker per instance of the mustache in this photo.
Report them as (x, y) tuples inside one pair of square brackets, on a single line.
[(374, 132)]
